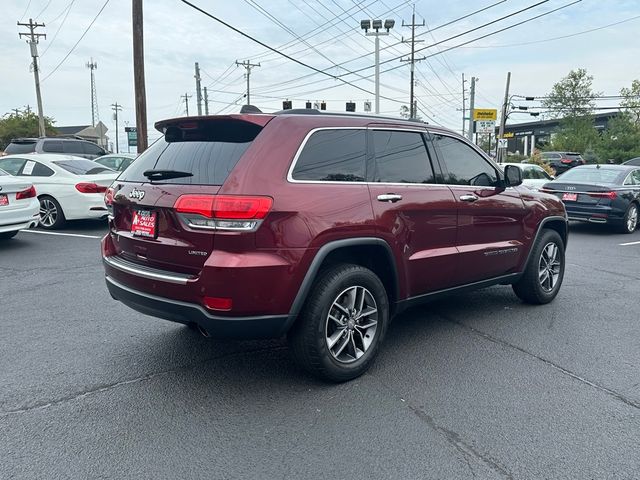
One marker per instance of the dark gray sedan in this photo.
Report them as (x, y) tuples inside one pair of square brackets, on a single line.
[(608, 194)]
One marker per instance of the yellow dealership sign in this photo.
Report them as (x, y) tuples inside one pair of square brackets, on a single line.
[(485, 114)]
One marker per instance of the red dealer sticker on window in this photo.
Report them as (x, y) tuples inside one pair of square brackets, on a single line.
[(144, 223)]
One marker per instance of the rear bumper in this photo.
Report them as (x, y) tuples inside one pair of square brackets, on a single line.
[(594, 214), (267, 326)]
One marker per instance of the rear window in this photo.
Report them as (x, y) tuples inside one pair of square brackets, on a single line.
[(209, 153), (592, 175), (18, 148), (82, 167)]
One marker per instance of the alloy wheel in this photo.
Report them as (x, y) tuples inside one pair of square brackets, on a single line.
[(48, 212), (549, 267), (351, 324), (632, 218)]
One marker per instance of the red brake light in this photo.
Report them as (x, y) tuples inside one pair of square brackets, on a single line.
[(566, 160), (84, 187), (225, 207), (28, 193), (610, 195)]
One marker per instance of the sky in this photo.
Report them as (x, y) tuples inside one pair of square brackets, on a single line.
[(323, 34)]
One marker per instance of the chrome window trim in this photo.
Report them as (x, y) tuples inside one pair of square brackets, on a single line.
[(290, 178)]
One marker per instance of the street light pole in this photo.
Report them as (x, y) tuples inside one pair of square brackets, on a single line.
[(376, 25)]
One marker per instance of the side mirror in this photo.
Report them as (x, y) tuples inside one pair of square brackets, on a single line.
[(512, 176)]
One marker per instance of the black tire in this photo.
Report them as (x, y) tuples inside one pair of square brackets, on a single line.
[(51, 214), (313, 331), (534, 287), (8, 235), (630, 220)]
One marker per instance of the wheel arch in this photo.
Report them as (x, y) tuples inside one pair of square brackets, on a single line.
[(369, 252), (557, 223)]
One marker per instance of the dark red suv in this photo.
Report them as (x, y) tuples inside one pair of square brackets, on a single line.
[(321, 227)]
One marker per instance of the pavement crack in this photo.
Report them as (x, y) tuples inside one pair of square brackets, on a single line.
[(131, 381), (464, 448), (575, 376)]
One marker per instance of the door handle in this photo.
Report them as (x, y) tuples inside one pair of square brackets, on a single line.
[(389, 197), (468, 198)]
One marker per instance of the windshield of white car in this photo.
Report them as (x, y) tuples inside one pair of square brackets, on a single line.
[(82, 167)]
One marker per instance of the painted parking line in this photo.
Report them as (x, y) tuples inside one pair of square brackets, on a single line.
[(629, 243), (62, 234)]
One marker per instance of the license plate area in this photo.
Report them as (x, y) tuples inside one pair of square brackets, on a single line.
[(4, 200), (144, 223), (570, 197)]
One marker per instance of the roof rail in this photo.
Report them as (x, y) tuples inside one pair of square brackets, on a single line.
[(314, 111)]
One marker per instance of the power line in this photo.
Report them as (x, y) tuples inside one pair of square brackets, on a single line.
[(61, 13), (55, 35), (44, 9), (25, 10), (78, 42)]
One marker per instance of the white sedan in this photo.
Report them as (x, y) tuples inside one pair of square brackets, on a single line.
[(533, 176), (19, 207), (69, 188)]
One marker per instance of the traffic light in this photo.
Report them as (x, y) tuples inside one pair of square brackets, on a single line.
[(323, 106), (351, 107), (308, 104), (287, 105)]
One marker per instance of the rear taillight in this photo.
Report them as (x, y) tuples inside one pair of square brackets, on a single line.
[(610, 195), (84, 187), (108, 200), (28, 193), (566, 160), (223, 212)]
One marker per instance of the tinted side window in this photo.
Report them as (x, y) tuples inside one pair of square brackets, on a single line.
[(464, 165), (333, 155), (52, 146), (74, 148), (401, 157), (12, 165), (40, 170), (92, 149)]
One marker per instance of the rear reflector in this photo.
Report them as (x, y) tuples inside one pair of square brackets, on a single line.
[(609, 195), (218, 303), (28, 193), (84, 187)]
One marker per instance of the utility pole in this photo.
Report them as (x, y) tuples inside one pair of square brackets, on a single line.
[(116, 108), (138, 75), (94, 95), (16, 110), (248, 65), (377, 25), (206, 101), (472, 100), (503, 120), (198, 89), (412, 60), (33, 44), (186, 97), (27, 109), (464, 106)]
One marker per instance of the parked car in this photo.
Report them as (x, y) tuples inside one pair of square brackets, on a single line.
[(633, 161), (61, 145), (19, 207), (533, 176), (116, 161), (562, 161), (608, 194), (69, 188), (321, 227)]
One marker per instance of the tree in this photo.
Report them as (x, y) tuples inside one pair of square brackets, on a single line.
[(621, 140), (573, 100), (573, 96), (406, 113), (631, 101), (22, 124)]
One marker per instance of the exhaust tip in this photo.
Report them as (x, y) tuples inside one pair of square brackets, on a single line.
[(203, 331)]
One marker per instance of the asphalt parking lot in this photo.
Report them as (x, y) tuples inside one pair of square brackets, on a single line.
[(473, 386)]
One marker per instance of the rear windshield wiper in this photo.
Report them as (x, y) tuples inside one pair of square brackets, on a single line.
[(165, 174)]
